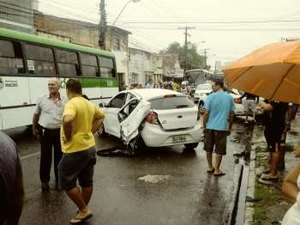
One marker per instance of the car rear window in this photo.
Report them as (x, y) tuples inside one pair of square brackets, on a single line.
[(171, 103)]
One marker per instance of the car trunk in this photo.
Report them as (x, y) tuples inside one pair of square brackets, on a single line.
[(175, 119)]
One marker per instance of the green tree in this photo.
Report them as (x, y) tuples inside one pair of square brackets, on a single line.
[(194, 60)]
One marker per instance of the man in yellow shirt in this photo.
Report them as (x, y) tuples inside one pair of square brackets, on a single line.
[(81, 119)]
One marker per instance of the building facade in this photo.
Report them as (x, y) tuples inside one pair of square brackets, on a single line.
[(17, 15), (144, 66), (85, 33)]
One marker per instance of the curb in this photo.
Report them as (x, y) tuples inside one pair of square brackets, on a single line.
[(249, 206), (236, 191)]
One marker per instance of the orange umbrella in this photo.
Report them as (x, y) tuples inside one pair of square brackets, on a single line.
[(272, 72)]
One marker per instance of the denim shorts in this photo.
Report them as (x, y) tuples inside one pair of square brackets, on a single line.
[(77, 165)]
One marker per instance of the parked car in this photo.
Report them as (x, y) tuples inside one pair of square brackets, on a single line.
[(201, 91), (152, 117), (239, 107)]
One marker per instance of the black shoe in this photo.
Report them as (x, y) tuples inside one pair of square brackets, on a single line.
[(45, 186)]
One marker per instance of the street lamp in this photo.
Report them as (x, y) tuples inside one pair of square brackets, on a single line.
[(124, 9)]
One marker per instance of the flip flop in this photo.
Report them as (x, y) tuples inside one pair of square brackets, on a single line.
[(219, 174), (77, 219), (267, 177), (210, 170)]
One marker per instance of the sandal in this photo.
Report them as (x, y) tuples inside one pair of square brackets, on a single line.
[(81, 216), (268, 177), (221, 173), (210, 170)]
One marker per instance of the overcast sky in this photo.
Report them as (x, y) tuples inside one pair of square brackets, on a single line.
[(228, 29)]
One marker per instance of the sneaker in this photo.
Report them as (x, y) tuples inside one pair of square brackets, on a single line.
[(45, 186)]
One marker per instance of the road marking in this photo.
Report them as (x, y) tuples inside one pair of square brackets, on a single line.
[(30, 155)]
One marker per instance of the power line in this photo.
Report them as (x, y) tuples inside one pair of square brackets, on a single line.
[(215, 22)]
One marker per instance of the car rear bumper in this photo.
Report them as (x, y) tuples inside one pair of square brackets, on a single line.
[(155, 136)]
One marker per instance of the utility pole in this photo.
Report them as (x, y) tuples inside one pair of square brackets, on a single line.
[(103, 25), (185, 46)]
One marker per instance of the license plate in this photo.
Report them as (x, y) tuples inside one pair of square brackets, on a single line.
[(179, 138)]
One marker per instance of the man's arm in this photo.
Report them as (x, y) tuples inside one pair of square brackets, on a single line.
[(205, 118), (231, 119), (35, 121), (68, 126), (98, 120), (289, 185)]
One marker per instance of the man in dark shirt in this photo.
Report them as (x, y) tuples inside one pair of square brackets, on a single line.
[(11, 182), (274, 121)]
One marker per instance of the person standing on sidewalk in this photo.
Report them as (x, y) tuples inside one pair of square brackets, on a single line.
[(46, 124), (219, 107), (249, 104), (11, 182), (274, 121), (81, 119)]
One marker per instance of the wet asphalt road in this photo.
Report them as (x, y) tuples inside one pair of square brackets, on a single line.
[(188, 196)]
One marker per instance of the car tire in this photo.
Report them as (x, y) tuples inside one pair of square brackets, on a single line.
[(191, 146), (101, 131), (136, 145)]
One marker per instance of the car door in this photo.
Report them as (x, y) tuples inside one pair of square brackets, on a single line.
[(111, 122), (131, 116)]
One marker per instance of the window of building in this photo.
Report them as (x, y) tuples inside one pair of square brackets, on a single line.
[(117, 44), (11, 57), (40, 60)]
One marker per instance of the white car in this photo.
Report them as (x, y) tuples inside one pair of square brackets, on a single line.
[(202, 90), (152, 117), (239, 107)]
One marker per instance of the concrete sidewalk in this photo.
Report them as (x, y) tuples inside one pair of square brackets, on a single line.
[(273, 214)]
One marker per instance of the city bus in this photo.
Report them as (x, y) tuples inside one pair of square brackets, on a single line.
[(27, 62)]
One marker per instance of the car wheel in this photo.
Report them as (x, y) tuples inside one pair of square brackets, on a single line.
[(136, 145), (201, 107), (101, 131), (191, 146)]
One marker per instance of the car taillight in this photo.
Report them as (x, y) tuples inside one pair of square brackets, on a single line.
[(152, 118)]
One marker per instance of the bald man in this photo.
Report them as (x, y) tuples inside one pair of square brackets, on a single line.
[(46, 125)]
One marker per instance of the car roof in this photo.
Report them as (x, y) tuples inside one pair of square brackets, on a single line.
[(154, 93)]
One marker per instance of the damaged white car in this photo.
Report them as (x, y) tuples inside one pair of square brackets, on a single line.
[(152, 118)]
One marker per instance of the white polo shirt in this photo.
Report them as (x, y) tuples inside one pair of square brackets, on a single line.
[(50, 111)]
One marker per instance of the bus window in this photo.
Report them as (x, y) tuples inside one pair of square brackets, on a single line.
[(89, 65), (106, 67), (67, 63), (10, 57), (40, 60)]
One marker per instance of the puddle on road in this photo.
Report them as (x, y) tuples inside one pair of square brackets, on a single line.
[(155, 179)]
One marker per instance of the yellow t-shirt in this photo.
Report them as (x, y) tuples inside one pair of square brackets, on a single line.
[(82, 137)]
